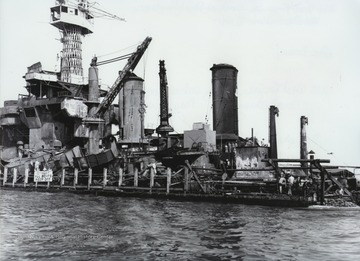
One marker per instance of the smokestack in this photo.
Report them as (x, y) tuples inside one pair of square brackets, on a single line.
[(225, 102), (132, 109), (303, 141), (164, 127), (272, 132)]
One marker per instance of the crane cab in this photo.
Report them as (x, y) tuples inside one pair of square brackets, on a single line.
[(65, 13)]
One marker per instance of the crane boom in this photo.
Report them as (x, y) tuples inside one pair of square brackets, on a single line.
[(164, 127), (117, 86)]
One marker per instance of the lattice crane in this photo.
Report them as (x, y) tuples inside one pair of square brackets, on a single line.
[(74, 19), (117, 86), (164, 127)]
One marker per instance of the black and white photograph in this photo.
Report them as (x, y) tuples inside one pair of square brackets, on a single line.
[(180, 130)]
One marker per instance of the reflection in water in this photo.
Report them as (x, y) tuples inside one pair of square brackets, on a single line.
[(62, 226)]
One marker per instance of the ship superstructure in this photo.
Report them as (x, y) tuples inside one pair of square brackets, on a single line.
[(63, 108)]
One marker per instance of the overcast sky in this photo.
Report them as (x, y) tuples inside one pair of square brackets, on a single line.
[(301, 56)]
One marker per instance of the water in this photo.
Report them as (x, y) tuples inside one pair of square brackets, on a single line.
[(64, 226)]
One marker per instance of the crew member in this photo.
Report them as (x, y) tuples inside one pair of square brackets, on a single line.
[(290, 183), (282, 184)]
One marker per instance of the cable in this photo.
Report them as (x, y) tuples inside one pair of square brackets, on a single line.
[(101, 12), (327, 152), (116, 59), (109, 14), (121, 50), (144, 66), (318, 145)]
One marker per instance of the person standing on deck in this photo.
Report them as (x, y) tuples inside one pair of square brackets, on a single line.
[(282, 184), (313, 189), (290, 182)]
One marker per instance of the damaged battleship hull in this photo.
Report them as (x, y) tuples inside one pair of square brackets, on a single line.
[(68, 134)]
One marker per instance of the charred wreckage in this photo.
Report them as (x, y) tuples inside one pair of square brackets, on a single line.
[(60, 136)]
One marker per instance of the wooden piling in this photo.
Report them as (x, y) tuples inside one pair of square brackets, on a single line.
[(76, 173), (168, 180), (104, 177), (48, 185), (152, 177), (136, 177), (14, 177), (26, 179), (186, 180), (322, 187), (224, 176), (5, 175), (62, 181), (120, 177), (89, 178)]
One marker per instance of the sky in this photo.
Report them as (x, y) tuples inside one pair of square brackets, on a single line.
[(299, 55)]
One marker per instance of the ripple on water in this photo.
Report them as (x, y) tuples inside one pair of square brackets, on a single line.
[(62, 226)]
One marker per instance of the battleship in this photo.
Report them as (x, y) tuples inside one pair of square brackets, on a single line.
[(67, 134)]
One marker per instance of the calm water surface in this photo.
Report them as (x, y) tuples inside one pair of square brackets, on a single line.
[(64, 226)]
